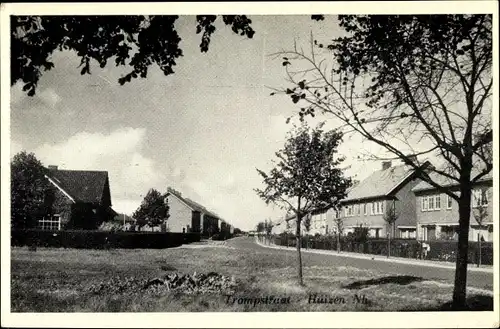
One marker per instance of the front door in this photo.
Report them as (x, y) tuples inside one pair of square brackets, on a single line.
[(431, 233)]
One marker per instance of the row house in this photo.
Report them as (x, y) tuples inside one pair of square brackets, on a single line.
[(187, 216), (369, 201), (437, 212)]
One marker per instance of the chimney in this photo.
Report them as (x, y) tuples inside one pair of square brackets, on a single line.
[(52, 167), (386, 165)]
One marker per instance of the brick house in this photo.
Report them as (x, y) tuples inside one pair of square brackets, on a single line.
[(368, 202), (437, 213), (187, 215), (77, 199)]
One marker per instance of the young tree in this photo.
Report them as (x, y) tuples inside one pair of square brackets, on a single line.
[(268, 226), (390, 217), (153, 211), (261, 226), (339, 226), (414, 85), (306, 176), (29, 190), (480, 214), (133, 41)]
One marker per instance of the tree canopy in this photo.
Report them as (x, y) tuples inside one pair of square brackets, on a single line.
[(154, 209), (136, 42), (28, 190)]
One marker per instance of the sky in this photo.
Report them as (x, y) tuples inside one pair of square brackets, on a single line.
[(203, 130)]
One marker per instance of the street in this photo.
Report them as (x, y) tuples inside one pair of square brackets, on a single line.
[(479, 280)]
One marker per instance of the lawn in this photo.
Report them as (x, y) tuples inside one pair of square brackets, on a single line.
[(58, 280)]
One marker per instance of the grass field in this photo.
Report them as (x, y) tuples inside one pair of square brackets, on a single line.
[(56, 280)]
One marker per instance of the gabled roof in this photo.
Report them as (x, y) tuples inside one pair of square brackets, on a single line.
[(194, 205), (81, 185), (445, 181), (381, 183)]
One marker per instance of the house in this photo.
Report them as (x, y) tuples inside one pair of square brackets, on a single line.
[(437, 213), (322, 221), (77, 199), (187, 215), (368, 202)]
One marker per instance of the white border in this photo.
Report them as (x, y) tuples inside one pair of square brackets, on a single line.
[(235, 320)]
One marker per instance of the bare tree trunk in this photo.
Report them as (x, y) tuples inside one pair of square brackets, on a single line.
[(338, 242), (299, 254), (479, 242), (464, 208), (388, 245)]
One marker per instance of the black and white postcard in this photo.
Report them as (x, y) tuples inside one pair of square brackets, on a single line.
[(274, 164)]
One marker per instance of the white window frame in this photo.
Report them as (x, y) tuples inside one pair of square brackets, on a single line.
[(49, 223), (431, 198), (449, 202), (425, 203), (437, 198), (479, 196)]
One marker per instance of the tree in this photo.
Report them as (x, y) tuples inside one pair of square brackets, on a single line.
[(29, 190), (261, 227), (414, 85), (133, 41), (390, 217), (306, 176), (154, 209), (268, 226), (339, 227)]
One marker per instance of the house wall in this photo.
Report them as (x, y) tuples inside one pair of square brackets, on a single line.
[(180, 216), (375, 222), (449, 217), (195, 221), (210, 225), (61, 206), (406, 204)]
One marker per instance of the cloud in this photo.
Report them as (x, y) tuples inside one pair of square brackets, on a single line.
[(49, 97), (131, 173)]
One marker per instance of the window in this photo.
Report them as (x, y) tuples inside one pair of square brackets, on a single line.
[(372, 208), (449, 201), (365, 209), (50, 223), (425, 203), (437, 202), (431, 202), (349, 211), (479, 198)]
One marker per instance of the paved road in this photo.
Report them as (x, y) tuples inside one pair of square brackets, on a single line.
[(480, 280)]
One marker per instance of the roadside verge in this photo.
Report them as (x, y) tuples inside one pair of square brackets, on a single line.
[(400, 260)]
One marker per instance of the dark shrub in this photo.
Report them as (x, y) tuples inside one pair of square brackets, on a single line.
[(100, 239)]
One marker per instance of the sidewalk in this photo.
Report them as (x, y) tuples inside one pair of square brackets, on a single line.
[(400, 260)]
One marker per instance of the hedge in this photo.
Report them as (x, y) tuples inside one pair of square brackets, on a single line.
[(90, 239), (407, 248)]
